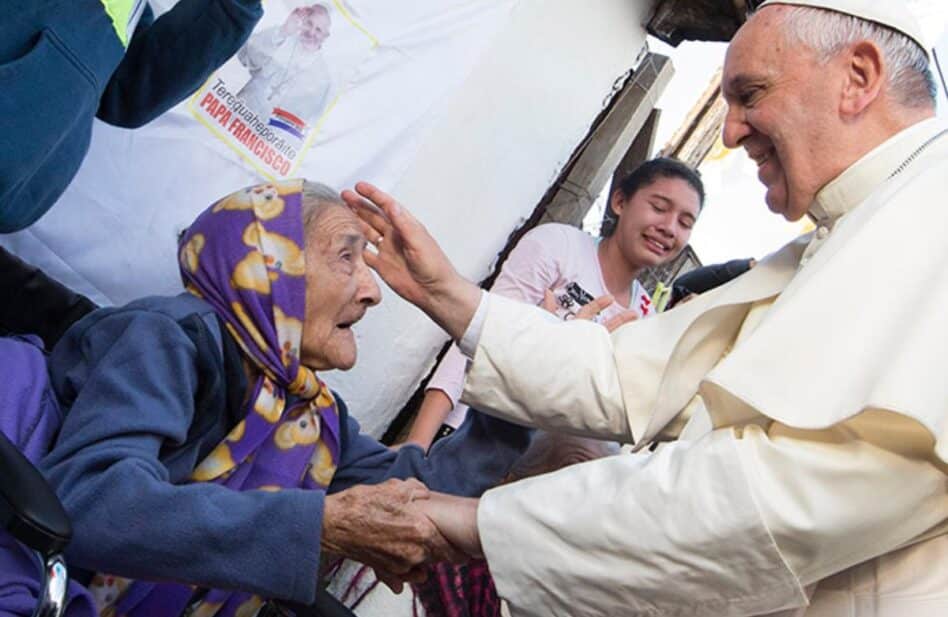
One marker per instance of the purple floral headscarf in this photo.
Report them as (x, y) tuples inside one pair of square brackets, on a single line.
[(245, 257)]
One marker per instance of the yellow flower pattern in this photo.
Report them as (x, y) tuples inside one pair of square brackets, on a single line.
[(251, 273), (268, 403), (249, 608), (249, 326), (264, 200), (289, 333), (305, 383), (274, 255), (302, 430), (207, 609), (237, 433), (191, 252), (325, 398), (322, 468), (216, 464), (280, 253)]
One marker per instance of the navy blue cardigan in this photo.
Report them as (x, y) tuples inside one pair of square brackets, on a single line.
[(129, 381)]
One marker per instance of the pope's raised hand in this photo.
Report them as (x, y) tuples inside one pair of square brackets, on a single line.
[(410, 261)]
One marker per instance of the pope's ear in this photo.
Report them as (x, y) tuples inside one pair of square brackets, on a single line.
[(865, 76)]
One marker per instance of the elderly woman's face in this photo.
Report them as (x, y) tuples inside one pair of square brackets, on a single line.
[(339, 289)]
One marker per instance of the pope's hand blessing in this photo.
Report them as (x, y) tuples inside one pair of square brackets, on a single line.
[(410, 261)]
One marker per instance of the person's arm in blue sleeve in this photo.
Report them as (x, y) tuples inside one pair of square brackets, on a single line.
[(170, 57), (471, 460), (132, 376)]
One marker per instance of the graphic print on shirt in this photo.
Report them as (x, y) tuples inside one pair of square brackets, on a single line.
[(571, 297)]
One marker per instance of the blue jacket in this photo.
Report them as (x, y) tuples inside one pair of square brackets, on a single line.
[(62, 63), (129, 381)]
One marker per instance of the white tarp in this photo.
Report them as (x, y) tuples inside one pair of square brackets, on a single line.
[(465, 109)]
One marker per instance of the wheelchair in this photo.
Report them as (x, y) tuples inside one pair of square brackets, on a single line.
[(34, 516)]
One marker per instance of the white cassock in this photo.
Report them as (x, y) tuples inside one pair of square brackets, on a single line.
[(811, 475)]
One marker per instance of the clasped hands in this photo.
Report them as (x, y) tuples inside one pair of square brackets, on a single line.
[(399, 527)]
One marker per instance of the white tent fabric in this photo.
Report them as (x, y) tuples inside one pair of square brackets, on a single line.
[(464, 109), (138, 189)]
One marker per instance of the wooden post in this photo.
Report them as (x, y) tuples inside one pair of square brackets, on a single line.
[(701, 128), (608, 143), (639, 152)]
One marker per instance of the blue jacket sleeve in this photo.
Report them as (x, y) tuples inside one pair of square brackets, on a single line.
[(130, 377), (169, 58), (468, 462)]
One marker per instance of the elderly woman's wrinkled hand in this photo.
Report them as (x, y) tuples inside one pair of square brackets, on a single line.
[(410, 261), (383, 527)]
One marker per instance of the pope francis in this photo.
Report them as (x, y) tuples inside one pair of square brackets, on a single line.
[(803, 403)]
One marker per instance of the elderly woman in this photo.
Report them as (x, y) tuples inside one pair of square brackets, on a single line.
[(204, 463)]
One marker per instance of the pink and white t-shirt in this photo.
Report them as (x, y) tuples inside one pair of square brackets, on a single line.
[(558, 257)]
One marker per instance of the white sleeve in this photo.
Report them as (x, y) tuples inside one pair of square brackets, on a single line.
[(837, 497), (674, 532), (526, 360), (472, 335), (735, 523)]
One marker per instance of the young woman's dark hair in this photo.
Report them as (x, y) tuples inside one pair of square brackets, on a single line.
[(644, 175)]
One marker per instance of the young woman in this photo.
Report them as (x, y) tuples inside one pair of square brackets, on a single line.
[(649, 222)]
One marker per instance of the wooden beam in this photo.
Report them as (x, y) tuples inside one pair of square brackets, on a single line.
[(639, 152), (675, 21), (701, 128)]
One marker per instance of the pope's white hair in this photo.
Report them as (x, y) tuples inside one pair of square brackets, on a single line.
[(910, 79)]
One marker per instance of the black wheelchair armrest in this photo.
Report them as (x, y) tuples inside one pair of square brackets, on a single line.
[(29, 509)]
